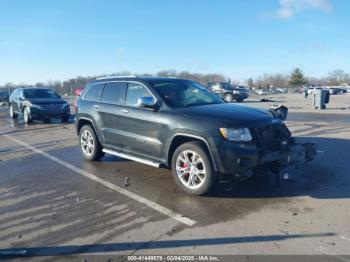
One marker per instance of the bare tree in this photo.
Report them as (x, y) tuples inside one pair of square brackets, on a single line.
[(250, 83), (337, 77), (68, 86)]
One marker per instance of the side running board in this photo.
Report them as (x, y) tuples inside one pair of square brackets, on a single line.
[(133, 158)]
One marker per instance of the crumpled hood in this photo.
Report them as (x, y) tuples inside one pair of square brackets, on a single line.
[(230, 114)]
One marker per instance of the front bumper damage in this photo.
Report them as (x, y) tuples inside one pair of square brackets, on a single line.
[(243, 161), (290, 159), (272, 150), (291, 154)]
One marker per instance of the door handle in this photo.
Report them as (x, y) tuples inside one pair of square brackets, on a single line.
[(96, 106), (124, 111)]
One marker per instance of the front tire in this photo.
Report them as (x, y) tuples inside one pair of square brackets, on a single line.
[(13, 115), (27, 118), (228, 98), (90, 146), (192, 169)]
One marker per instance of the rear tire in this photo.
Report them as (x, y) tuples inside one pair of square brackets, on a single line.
[(90, 146), (228, 98), (13, 115), (192, 169)]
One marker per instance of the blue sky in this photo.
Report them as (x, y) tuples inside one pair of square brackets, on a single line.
[(44, 40)]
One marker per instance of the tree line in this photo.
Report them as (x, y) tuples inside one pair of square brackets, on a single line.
[(294, 79)]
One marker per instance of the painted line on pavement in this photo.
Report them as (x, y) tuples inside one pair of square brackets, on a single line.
[(163, 210)]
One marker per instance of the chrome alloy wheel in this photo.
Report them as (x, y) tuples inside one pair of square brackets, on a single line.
[(190, 169), (87, 143), (26, 115), (11, 111)]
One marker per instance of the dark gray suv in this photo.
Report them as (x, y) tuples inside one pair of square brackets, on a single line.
[(229, 92), (180, 124)]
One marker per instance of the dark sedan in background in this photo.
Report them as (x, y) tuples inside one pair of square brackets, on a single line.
[(38, 104), (4, 96)]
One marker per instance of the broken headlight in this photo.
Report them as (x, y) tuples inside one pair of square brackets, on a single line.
[(236, 134)]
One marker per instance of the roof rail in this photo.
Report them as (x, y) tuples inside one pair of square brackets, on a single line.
[(108, 77)]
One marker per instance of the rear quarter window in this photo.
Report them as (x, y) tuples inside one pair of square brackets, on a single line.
[(94, 92)]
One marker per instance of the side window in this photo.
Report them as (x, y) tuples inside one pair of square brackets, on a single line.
[(134, 92), (20, 94), (216, 87), (114, 93), (94, 92), (14, 94)]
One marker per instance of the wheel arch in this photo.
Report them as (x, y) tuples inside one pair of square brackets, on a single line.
[(87, 121), (181, 138)]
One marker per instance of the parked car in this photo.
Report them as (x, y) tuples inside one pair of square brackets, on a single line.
[(342, 89), (261, 92), (180, 124), (333, 90), (229, 92), (281, 91), (4, 96), (311, 89), (38, 104)]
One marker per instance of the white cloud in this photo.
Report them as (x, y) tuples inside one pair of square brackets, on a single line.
[(289, 8)]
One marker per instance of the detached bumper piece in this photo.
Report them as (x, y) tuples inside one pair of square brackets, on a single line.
[(281, 163), (295, 154)]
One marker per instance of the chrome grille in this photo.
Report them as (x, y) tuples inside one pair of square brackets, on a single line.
[(243, 91), (52, 107)]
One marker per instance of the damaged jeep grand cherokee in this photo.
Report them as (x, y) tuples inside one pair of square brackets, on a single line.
[(180, 124)]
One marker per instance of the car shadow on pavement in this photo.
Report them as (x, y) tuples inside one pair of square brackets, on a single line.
[(128, 246), (35, 125), (265, 100), (22, 128)]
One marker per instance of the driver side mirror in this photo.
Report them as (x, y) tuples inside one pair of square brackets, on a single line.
[(147, 102)]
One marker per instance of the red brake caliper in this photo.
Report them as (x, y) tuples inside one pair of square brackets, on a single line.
[(185, 165)]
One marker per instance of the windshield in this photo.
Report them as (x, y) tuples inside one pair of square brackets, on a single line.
[(184, 93), (228, 86), (39, 93)]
